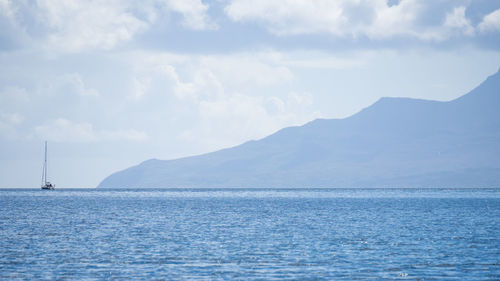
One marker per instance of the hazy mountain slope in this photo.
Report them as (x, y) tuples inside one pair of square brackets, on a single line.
[(395, 142)]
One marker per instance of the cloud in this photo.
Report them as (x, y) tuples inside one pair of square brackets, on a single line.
[(346, 19), (238, 118), (191, 90), (75, 26), (206, 77), (71, 26), (64, 130), (490, 22), (456, 20), (290, 17), (214, 101), (393, 20), (375, 19), (194, 13)]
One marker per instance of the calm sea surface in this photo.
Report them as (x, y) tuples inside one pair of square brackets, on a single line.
[(332, 234)]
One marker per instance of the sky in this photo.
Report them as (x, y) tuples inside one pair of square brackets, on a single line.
[(112, 83)]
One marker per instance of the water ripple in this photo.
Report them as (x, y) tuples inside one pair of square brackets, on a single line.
[(270, 234)]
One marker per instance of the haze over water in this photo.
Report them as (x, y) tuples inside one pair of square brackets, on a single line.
[(414, 234)]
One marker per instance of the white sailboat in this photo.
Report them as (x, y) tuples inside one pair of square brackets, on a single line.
[(45, 183)]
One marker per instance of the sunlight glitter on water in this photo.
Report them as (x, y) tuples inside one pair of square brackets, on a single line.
[(250, 234)]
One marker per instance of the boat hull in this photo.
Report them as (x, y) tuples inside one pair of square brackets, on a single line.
[(48, 187)]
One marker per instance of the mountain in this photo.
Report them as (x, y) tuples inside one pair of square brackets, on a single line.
[(396, 142)]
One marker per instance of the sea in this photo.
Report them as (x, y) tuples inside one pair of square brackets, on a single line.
[(250, 234)]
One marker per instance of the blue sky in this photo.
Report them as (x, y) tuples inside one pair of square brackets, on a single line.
[(112, 83)]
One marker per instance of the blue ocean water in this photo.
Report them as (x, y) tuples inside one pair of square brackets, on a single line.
[(266, 234)]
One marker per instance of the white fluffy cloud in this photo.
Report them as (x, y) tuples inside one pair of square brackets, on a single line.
[(228, 116), (457, 20), (78, 25), (395, 20), (207, 76), (238, 118), (64, 130), (221, 100), (201, 84), (291, 17), (194, 13), (491, 22), (73, 26), (375, 19)]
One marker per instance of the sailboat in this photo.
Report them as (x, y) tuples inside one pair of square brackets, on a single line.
[(46, 184)]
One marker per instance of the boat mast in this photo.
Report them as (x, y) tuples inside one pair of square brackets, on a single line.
[(45, 166)]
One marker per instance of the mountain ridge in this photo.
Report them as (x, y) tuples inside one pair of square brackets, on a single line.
[(394, 142)]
